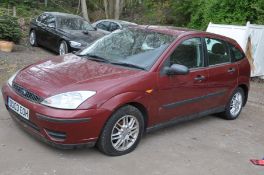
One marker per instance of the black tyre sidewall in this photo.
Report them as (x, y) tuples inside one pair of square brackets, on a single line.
[(104, 143), (227, 114)]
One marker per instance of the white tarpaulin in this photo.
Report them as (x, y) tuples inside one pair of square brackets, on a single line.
[(241, 35)]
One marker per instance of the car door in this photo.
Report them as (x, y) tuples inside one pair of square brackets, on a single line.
[(51, 35), (183, 95), (40, 32), (222, 72)]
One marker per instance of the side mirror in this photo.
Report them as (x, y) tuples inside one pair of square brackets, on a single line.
[(177, 69)]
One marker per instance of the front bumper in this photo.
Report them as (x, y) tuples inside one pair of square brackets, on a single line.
[(60, 128)]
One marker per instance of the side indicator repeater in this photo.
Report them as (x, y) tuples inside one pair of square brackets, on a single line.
[(149, 91)]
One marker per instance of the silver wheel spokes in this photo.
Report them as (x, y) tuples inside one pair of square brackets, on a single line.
[(32, 38), (125, 133), (62, 49), (236, 104)]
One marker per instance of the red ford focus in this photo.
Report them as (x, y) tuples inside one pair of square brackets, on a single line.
[(131, 81)]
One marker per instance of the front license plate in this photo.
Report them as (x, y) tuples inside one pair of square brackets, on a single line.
[(18, 108)]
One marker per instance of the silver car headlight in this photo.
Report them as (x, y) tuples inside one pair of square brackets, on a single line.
[(11, 79), (75, 44), (68, 100)]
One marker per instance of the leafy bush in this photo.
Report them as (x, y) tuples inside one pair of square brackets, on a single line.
[(9, 29)]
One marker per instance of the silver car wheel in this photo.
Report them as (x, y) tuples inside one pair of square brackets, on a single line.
[(236, 104), (125, 133), (32, 38), (63, 48)]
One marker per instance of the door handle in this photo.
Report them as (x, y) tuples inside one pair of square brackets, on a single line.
[(199, 78), (231, 70)]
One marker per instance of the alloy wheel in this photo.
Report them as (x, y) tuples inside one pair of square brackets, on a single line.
[(236, 104), (62, 49), (32, 38), (125, 133)]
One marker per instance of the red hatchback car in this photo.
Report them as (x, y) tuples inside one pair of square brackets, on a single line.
[(126, 83)]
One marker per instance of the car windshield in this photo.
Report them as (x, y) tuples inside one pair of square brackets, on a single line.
[(69, 23), (130, 47)]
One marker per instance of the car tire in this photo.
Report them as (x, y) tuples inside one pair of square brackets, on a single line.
[(234, 105), (33, 38), (63, 48), (122, 132)]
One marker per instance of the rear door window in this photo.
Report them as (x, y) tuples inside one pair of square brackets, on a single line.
[(113, 27), (217, 51), (50, 20), (43, 18), (103, 25)]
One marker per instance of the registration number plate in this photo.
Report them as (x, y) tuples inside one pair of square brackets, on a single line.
[(18, 108)]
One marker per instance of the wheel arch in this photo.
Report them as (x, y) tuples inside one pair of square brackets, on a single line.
[(59, 42), (245, 89), (143, 110), (129, 98)]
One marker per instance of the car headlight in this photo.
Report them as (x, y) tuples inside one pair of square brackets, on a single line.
[(75, 44), (68, 100), (11, 79)]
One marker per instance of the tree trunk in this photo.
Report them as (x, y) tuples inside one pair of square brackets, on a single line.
[(84, 10), (117, 9), (111, 9), (46, 3), (106, 9), (14, 11)]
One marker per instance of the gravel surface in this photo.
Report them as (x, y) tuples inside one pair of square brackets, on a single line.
[(19, 58), (209, 145)]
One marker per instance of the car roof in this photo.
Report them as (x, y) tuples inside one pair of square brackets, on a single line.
[(176, 31), (118, 21), (60, 14)]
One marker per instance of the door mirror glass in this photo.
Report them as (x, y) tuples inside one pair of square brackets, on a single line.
[(177, 69)]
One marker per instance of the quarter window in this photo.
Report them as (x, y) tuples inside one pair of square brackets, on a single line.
[(217, 51), (236, 53), (188, 53)]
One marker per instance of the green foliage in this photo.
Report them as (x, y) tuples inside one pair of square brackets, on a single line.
[(9, 29), (259, 7), (223, 12)]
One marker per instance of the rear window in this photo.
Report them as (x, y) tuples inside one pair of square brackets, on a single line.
[(236, 53)]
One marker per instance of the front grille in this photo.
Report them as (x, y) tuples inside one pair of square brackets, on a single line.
[(27, 94)]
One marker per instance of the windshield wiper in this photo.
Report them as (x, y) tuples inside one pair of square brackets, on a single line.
[(128, 65), (95, 58)]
